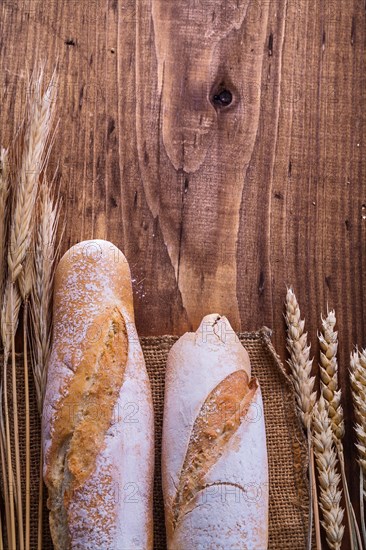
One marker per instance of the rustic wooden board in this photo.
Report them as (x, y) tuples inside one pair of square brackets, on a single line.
[(217, 207)]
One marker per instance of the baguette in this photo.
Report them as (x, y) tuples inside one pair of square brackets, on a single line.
[(214, 456), (97, 425)]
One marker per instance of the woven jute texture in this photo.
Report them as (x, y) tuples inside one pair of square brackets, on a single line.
[(288, 460)]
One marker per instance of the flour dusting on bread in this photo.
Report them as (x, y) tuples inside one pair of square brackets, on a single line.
[(214, 455), (96, 369)]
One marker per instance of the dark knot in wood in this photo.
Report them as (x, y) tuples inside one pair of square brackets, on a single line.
[(222, 98)]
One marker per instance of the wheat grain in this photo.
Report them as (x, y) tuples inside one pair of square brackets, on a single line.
[(299, 361), (328, 339), (26, 275), (329, 478), (358, 384)]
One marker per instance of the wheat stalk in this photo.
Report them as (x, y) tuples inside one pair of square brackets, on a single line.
[(18, 483), (4, 470), (358, 385), (4, 207), (300, 365), (328, 340), (41, 299), (9, 322), (20, 259), (25, 283), (329, 478)]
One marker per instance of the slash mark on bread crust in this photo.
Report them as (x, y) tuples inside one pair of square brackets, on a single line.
[(219, 418), (84, 414)]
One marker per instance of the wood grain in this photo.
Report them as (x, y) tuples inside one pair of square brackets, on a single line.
[(217, 207)]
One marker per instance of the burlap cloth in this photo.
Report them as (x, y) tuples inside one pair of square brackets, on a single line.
[(288, 488)]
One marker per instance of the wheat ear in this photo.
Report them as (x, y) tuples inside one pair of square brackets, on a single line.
[(299, 362), (41, 299), (36, 137), (300, 365), (328, 340), (329, 479), (358, 385), (41, 296)]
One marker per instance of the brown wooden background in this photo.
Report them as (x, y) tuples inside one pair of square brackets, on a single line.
[(217, 208)]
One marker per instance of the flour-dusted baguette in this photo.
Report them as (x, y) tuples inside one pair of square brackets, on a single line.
[(214, 457), (98, 432)]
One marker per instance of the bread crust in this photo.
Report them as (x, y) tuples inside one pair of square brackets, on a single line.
[(214, 462), (97, 426)]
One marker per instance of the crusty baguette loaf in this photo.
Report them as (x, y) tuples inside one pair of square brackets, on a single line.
[(214, 456), (98, 431)]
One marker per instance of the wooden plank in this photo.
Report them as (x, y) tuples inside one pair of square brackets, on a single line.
[(218, 207)]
